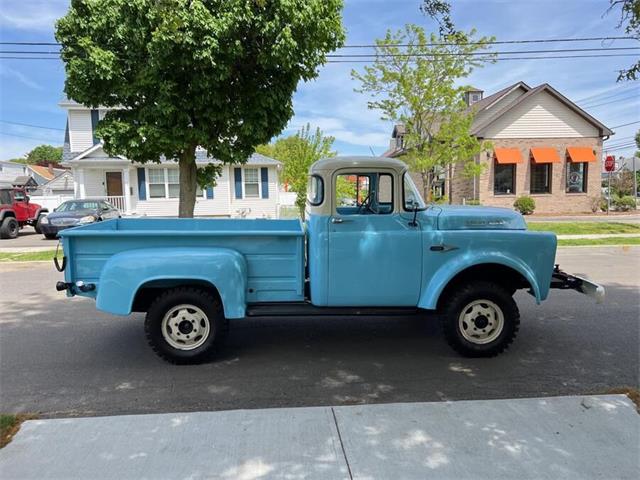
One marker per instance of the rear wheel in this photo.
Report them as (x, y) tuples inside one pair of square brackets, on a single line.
[(186, 325), (9, 228), (480, 319)]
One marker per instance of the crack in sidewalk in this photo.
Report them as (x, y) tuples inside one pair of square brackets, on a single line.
[(344, 453)]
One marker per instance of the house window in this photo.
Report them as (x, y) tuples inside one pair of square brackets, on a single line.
[(251, 183), (504, 179), (156, 183), (577, 177), (173, 182), (164, 182), (540, 178)]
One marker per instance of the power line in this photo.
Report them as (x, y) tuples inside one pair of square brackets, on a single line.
[(607, 96), (32, 126), (616, 88), (625, 124), (514, 58), (487, 53), (32, 52), (612, 101), (495, 42), (25, 136)]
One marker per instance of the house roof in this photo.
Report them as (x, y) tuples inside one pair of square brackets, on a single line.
[(24, 180), (486, 115), (478, 128), (201, 158), (44, 172)]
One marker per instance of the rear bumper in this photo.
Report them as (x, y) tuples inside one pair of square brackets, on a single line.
[(565, 281)]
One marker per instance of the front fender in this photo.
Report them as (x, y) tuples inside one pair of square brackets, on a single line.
[(125, 273), (433, 289)]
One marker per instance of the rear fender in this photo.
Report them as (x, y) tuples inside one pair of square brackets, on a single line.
[(434, 287), (125, 273)]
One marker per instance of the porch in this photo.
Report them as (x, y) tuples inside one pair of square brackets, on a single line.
[(113, 185)]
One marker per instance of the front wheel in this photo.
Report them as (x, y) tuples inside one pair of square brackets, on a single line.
[(185, 325), (480, 319), (9, 228), (38, 225)]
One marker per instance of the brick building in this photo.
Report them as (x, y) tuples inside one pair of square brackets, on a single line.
[(544, 146)]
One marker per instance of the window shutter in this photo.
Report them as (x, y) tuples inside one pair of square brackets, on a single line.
[(95, 118), (209, 193), (264, 178), (237, 175), (142, 187)]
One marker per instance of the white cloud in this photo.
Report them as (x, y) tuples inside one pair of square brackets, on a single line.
[(34, 15), (15, 74)]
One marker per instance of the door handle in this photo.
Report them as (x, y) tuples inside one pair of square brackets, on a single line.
[(337, 220)]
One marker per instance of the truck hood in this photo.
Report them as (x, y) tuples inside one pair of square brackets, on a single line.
[(479, 218)]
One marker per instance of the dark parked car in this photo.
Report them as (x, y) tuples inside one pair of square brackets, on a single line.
[(76, 212)]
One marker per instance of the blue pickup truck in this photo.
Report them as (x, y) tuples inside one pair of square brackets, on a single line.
[(369, 246)]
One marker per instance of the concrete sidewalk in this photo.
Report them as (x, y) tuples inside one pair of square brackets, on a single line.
[(559, 437)]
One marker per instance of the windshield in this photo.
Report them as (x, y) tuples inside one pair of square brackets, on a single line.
[(74, 206), (411, 195)]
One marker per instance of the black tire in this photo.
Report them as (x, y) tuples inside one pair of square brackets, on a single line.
[(207, 302), (37, 225), (459, 300), (9, 228), (50, 236)]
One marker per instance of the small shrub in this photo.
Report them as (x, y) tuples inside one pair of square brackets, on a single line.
[(525, 205), (604, 204), (472, 202), (624, 204), (441, 200)]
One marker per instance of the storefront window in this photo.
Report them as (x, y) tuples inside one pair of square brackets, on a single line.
[(576, 177), (504, 179), (540, 178)]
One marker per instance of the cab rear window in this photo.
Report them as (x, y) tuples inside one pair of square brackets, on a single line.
[(315, 190)]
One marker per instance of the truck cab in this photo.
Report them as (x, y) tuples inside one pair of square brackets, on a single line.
[(369, 245)]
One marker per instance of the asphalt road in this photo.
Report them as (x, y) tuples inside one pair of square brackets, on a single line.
[(60, 357), (28, 239)]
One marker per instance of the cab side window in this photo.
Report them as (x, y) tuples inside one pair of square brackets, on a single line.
[(364, 193)]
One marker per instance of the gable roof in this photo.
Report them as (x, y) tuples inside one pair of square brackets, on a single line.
[(478, 128)]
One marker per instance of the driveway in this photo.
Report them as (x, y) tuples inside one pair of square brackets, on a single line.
[(61, 357), (27, 240)]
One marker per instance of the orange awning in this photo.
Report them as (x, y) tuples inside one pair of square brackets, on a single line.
[(581, 154), (508, 155), (545, 155)]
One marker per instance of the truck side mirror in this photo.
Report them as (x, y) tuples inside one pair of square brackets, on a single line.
[(413, 222)]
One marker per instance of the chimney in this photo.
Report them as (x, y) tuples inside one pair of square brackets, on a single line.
[(50, 167), (473, 95)]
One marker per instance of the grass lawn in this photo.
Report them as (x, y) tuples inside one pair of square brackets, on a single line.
[(577, 242), (584, 228), (29, 256), (9, 426)]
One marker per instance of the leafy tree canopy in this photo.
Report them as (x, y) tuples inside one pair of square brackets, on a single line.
[(178, 74), (415, 81), (297, 153), (42, 155)]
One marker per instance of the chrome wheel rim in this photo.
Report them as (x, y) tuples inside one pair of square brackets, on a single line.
[(185, 327), (481, 322)]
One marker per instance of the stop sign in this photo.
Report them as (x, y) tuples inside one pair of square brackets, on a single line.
[(610, 163)]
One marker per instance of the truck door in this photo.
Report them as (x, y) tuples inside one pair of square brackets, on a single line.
[(375, 258), (21, 205)]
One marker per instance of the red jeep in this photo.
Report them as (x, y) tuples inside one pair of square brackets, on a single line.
[(16, 212)]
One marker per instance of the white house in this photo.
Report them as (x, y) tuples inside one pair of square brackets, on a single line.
[(10, 170), (250, 190)]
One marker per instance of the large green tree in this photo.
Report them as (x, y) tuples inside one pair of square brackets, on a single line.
[(42, 155), (416, 80), (182, 74), (297, 153)]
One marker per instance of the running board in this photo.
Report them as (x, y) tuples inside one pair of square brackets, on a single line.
[(301, 309)]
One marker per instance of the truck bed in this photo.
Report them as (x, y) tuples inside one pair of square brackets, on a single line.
[(273, 249)]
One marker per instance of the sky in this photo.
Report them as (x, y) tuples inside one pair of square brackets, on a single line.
[(30, 90)]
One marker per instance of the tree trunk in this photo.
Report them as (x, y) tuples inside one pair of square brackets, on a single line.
[(188, 182), (426, 186)]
